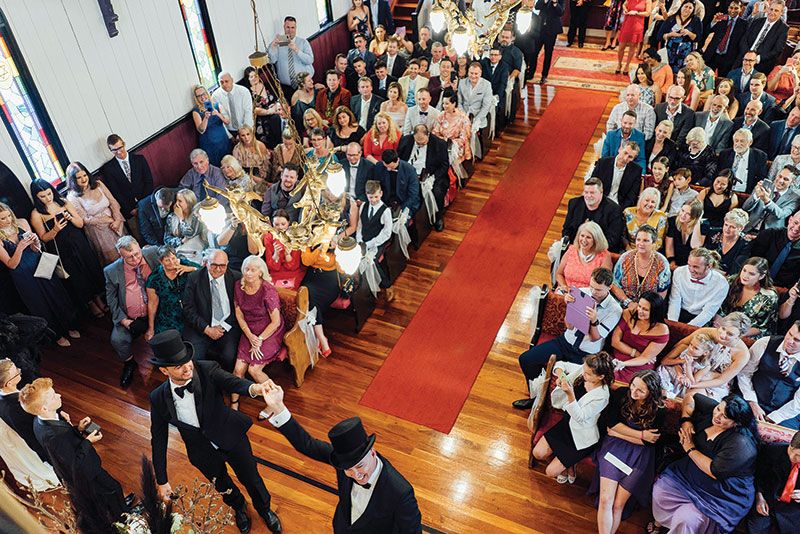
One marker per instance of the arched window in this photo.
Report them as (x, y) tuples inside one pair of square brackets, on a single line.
[(24, 114), (201, 39)]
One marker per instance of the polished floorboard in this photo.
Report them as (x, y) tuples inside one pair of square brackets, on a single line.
[(473, 480)]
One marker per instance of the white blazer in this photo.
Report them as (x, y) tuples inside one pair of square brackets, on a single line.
[(584, 412)]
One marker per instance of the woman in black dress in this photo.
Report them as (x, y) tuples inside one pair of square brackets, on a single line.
[(345, 129), (732, 245), (719, 198), (582, 392), (60, 229), (661, 145), (683, 233)]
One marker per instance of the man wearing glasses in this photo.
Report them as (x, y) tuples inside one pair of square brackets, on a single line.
[(12, 413), (208, 314)]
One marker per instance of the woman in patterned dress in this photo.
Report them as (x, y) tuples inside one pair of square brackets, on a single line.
[(641, 270), (453, 125), (165, 292), (752, 293), (612, 23)]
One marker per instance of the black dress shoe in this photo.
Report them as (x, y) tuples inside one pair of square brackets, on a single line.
[(522, 404), (130, 499), (272, 521), (127, 373), (438, 225), (242, 520)]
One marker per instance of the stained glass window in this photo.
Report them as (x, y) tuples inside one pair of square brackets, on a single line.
[(201, 40), (22, 118), (323, 11)]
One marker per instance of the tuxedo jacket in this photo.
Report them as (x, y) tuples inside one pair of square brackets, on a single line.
[(767, 102), (374, 107), (406, 186), (684, 121), (718, 32), (70, 454), (197, 299), (399, 67), (736, 77), (756, 165), (115, 283), (499, 79), (628, 192), (128, 194), (218, 423), (770, 48), (437, 161), (392, 508), (760, 131), (774, 213), (721, 138), (21, 422), (359, 181), (376, 85), (776, 130)]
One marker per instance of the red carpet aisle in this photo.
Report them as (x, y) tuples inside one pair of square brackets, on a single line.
[(429, 373)]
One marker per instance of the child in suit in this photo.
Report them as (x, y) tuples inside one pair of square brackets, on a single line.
[(375, 230)]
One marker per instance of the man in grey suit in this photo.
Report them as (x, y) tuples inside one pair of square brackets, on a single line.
[(357, 171), (126, 294), (770, 206), (366, 104), (475, 98), (422, 113), (716, 124)]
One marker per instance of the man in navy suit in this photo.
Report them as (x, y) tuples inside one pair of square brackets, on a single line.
[(381, 13), (153, 212), (749, 164), (373, 496), (361, 51), (758, 84), (766, 37), (741, 76), (621, 177), (357, 171), (751, 121), (366, 104), (626, 132), (496, 71), (723, 49), (128, 178), (783, 132), (381, 79), (399, 183)]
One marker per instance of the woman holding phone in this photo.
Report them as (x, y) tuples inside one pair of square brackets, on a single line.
[(209, 121)]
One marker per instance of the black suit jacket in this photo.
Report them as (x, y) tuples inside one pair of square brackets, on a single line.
[(70, 454), (375, 82), (21, 422), (760, 131), (374, 107), (669, 150), (364, 173), (628, 192), (550, 15), (399, 67), (197, 299), (499, 80), (128, 193), (718, 31), (768, 244), (218, 423), (151, 225), (436, 159), (384, 16), (608, 215), (392, 509), (684, 121), (771, 47), (756, 165)]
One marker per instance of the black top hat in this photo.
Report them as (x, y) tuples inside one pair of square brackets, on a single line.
[(169, 349), (350, 443)]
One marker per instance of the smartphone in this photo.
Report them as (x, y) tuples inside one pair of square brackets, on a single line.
[(209, 106), (91, 427), (60, 216), (768, 186)]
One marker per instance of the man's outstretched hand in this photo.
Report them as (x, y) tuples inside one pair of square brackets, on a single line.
[(273, 397)]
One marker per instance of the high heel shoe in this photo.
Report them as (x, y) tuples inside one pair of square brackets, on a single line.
[(237, 406), (604, 48), (617, 71), (326, 353)]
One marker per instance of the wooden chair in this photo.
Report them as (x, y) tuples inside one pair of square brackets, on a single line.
[(294, 308), (536, 413)]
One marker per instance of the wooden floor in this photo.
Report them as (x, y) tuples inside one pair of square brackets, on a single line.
[(474, 480)]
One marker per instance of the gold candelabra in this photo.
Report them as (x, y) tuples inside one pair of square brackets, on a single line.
[(467, 33)]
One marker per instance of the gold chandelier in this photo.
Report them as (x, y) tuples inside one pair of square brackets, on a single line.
[(467, 33)]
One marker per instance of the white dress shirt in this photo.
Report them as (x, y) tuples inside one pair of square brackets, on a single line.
[(741, 172), (711, 125), (702, 298), (745, 378), (360, 495), (185, 409), (386, 226), (433, 68), (616, 180), (225, 302), (390, 62), (238, 103), (419, 155), (608, 314), (362, 118)]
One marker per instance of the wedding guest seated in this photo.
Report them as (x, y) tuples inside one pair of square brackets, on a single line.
[(748, 163), (320, 145), (495, 70), (752, 293), (203, 171), (687, 367), (258, 311), (582, 391), (684, 233), (645, 116), (659, 179), (758, 83), (12, 413), (724, 88), (781, 161), (641, 269), (588, 252), (285, 266), (620, 175), (208, 317), (787, 312), (253, 155), (233, 241), (639, 337), (660, 145), (781, 248), (475, 97), (594, 206), (357, 170), (679, 192), (395, 104), (153, 212), (412, 82), (573, 345), (126, 294), (716, 125), (681, 115), (728, 356), (302, 99), (446, 79), (286, 152), (381, 79), (684, 79), (375, 229), (771, 208), (699, 158), (184, 232), (661, 75), (777, 494), (354, 73), (234, 174), (332, 97), (165, 287), (366, 104), (360, 51), (383, 135), (129, 179), (718, 198), (645, 212), (421, 113), (781, 110), (741, 75), (698, 290), (783, 78), (729, 242), (711, 488), (399, 183), (651, 91), (453, 126), (279, 195), (428, 155), (751, 121), (311, 120), (345, 129), (783, 132), (702, 75), (625, 133), (770, 381), (635, 417)]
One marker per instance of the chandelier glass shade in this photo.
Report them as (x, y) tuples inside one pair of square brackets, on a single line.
[(468, 34)]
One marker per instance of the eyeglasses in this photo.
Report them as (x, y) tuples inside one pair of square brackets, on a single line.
[(116, 148), (219, 265)]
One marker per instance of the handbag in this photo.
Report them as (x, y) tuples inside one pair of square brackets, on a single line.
[(347, 287), (47, 265)]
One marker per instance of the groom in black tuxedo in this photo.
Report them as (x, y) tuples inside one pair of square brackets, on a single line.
[(214, 435), (373, 496)]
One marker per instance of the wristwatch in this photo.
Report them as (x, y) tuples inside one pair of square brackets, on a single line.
[(594, 323)]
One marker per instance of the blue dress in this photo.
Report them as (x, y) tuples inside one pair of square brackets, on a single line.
[(44, 298), (215, 139)]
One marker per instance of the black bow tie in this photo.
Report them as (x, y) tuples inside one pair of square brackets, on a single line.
[(425, 113), (180, 389)]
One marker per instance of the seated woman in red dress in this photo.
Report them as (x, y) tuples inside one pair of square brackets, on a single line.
[(639, 337), (285, 266)]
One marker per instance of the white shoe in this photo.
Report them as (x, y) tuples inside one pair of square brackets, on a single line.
[(563, 479)]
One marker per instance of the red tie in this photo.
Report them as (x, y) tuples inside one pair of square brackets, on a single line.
[(724, 42), (786, 496)]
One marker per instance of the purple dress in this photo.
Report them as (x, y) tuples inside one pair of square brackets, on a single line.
[(256, 309), (638, 342)]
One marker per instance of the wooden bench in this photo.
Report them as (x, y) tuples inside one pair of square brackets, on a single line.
[(294, 307)]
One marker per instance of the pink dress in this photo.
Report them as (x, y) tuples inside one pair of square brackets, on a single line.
[(256, 309), (638, 342), (94, 206), (578, 273)]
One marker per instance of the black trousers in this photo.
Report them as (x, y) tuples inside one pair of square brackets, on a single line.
[(110, 493), (578, 15), (213, 463), (548, 42), (225, 347)]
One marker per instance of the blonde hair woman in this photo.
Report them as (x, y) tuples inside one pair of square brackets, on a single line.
[(286, 152), (252, 154), (258, 312), (234, 174), (683, 233), (210, 120), (184, 231), (645, 212), (588, 252), (378, 45), (311, 120), (383, 135), (702, 75)]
